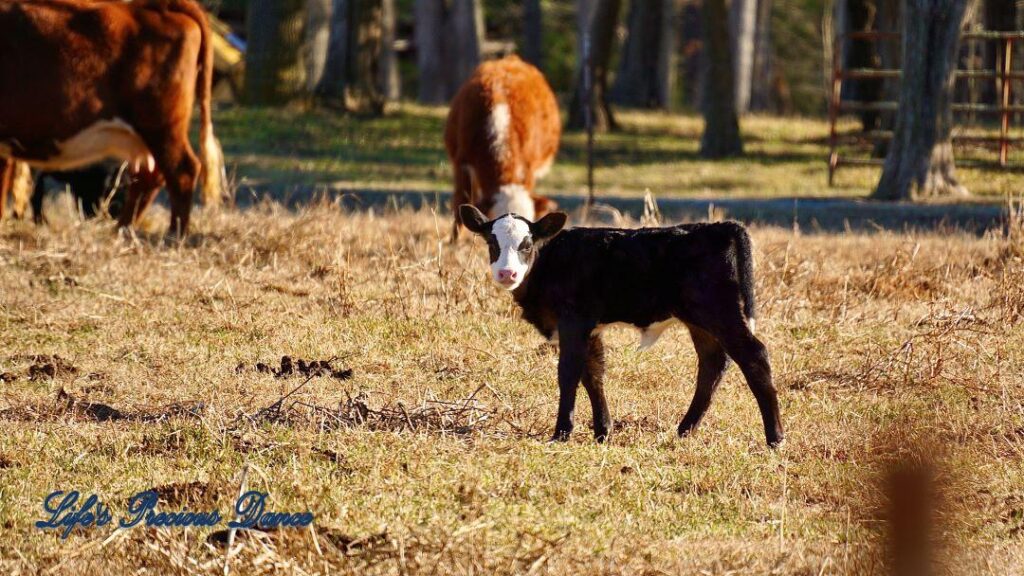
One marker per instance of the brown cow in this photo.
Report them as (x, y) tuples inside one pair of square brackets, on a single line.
[(502, 134), (86, 80)]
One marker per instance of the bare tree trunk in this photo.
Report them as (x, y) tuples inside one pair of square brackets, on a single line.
[(638, 82), (390, 81), (761, 80), (602, 33), (317, 42), (721, 127), (331, 87), (467, 35), (429, 36), (533, 33), (275, 73), (742, 32), (667, 50), (920, 161), (362, 83)]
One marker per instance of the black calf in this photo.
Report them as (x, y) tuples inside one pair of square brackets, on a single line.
[(572, 284), (89, 185)]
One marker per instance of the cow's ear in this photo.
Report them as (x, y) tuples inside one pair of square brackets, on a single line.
[(473, 219), (548, 226)]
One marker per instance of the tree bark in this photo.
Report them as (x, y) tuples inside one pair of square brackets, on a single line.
[(761, 80), (642, 80), (920, 160), (363, 94), (275, 72), (390, 80), (602, 33), (429, 37), (467, 34), (721, 136), (317, 40), (533, 33), (331, 87), (742, 33)]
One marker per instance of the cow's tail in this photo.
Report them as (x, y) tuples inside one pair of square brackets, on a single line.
[(210, 155), (21, 188), (745, 273)]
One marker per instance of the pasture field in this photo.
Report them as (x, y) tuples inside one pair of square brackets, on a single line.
[(656, 152), (132, 364)]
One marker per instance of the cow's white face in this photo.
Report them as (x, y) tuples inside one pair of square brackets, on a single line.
[(513, 241)]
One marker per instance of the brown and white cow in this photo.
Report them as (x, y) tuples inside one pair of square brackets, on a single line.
[(502, 135), (87, 80)]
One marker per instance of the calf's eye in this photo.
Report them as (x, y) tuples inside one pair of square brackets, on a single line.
[(525, 245)]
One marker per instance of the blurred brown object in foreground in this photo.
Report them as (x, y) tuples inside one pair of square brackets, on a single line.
[(911, 519)]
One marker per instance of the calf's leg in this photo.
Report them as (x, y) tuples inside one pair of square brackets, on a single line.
[(593, 383), (711, 364), (38, 195), (752, 358), (572, 359)]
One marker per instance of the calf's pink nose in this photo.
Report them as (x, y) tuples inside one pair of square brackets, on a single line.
[(507, 275)]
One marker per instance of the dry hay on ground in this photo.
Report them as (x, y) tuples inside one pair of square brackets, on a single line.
[(121, 373)]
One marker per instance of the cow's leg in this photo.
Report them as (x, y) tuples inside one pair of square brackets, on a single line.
[(593, 383), (141, 192), (181, 171), (6, 181), (463, 194), (711, 364), (573, 337)]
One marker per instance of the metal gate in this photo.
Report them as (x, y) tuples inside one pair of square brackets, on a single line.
[(1004, 76)]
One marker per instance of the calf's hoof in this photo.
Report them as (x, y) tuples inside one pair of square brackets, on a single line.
[(561, 436), (686, 428), (602, 434)]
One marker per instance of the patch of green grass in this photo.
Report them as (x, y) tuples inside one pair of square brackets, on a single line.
[(785, 157)]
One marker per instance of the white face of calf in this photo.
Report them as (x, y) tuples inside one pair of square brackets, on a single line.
[(513, 241)]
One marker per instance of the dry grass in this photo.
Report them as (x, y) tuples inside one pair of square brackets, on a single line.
[(430, 458)]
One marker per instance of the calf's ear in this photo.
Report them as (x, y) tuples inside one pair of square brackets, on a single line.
[(473, 219), (549, 225)]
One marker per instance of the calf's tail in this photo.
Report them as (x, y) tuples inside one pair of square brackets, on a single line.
[(745, 272)]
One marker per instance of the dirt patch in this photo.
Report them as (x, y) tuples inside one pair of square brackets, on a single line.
[(68, 406), (187, 493), (288, 367)]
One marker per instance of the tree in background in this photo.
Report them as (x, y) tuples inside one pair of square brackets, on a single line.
[(533, 33), (601, 17), (275, 71), (390, 79), (646, 70), (762, 93), (355, 72), (920, 160), (449, 41), (742, 35), (430, 18), (721, 136), (466, 30), (317, 40), (331, 86)]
